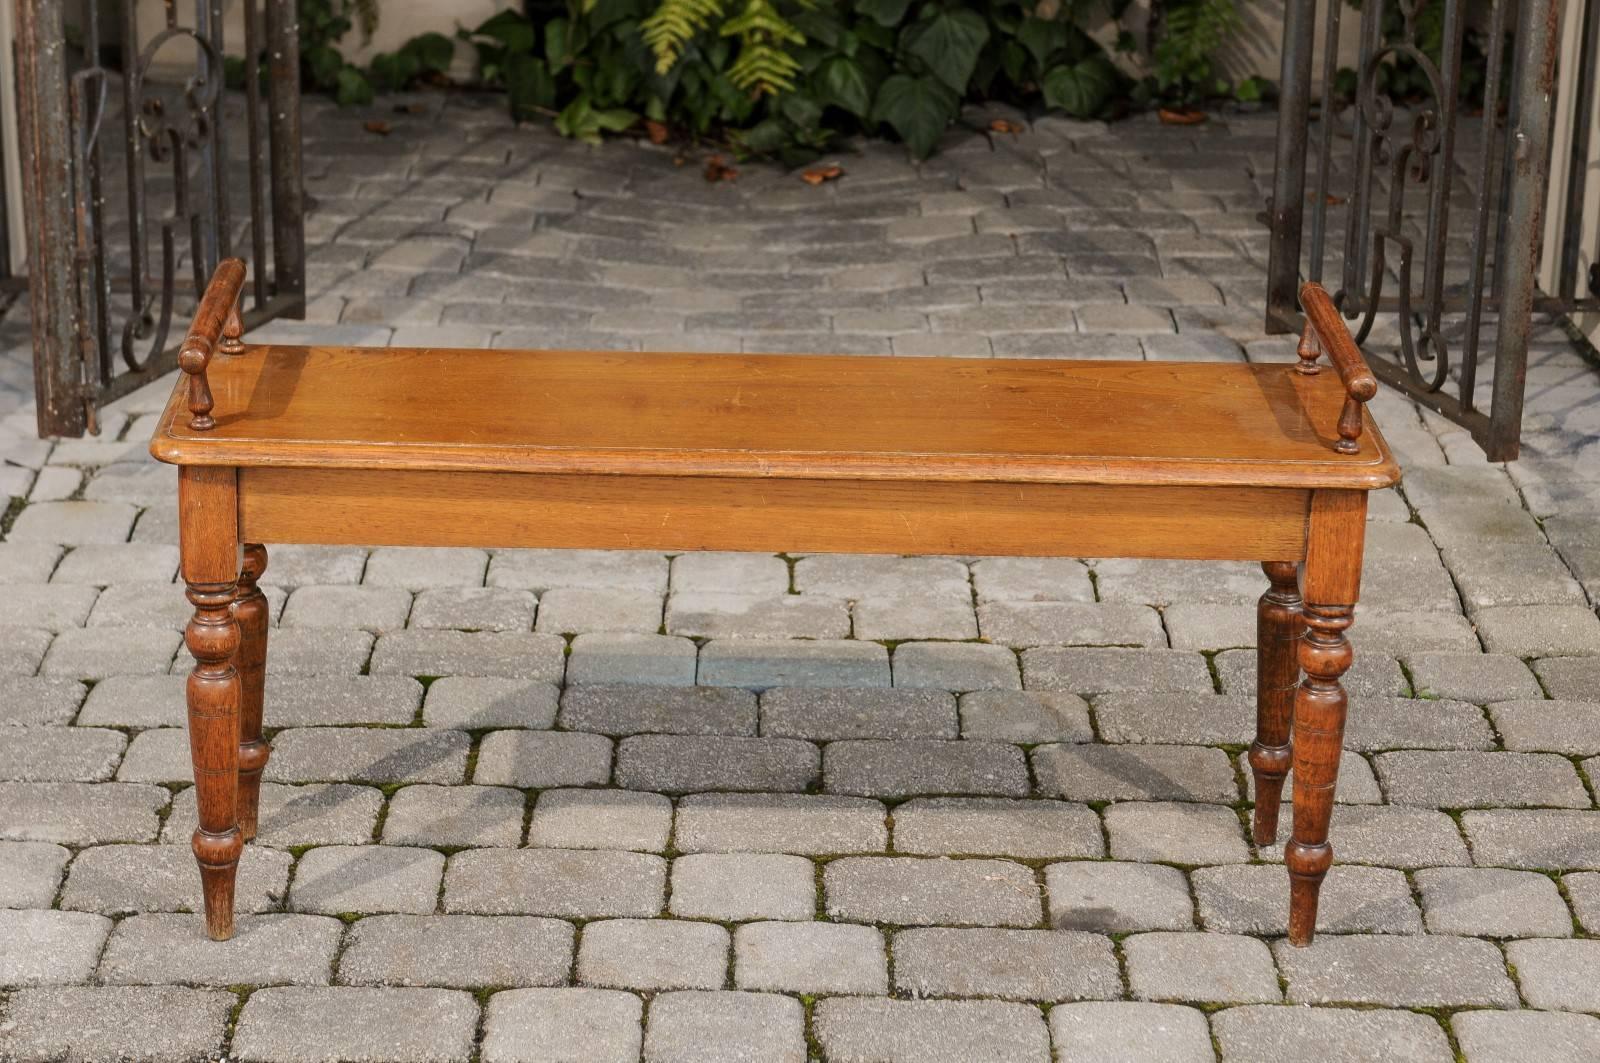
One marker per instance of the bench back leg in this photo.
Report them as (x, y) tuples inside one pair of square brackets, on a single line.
[(1279, 629)]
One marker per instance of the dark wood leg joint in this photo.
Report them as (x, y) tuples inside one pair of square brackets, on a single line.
[(250, 610)]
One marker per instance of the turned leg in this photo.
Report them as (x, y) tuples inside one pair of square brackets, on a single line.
[(1332, 582), (207, 508), (250, 661), (1279, 627)]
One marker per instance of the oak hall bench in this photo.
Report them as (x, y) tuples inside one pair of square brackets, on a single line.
[(777, 453)]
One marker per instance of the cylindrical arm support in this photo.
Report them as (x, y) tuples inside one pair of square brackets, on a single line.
[(1326, 331), (218, 308)]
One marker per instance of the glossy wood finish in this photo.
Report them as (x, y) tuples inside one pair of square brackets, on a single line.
[(371, 507), (1325, 331), (208, 539), (218, 306), (776, 416), (1331, 586), (1280, 626), (250, 612)]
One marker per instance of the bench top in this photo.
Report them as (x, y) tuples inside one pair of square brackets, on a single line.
[(801, 416)]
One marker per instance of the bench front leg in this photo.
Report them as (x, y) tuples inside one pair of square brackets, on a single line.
[(1332, 585), (208, 537), (250, 610), (1280, 626)]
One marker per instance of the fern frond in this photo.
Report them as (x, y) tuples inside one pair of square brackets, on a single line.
[(763, 66), (671, 26)]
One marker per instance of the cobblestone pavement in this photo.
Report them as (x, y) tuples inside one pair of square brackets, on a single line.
[(530, 805)]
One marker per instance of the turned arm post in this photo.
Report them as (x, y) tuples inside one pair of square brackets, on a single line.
[(216, 321), (1325, 331)]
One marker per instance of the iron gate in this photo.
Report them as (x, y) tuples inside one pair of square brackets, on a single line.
[(101, 125), (1397, 166)]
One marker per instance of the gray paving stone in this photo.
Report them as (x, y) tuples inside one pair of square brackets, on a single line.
[(1108, 898), (48, 606), (1042, 965), (541, 759), (875, 1030), (478, 702), (326, 701), (310, 652), (1024, 624), (29, 562), (1557, 975), (1506, 1036), (455, 816), (1376, 723), (763, 663), (908, 891), (40, 948), (1200, 626), (856, 576), (1570, 727), (653, 954), (291, 1024), (556, 882), (1539, 630), (318, 814), (734, 887), (1403, 633), (417, 568), (982, 826), (1200, 967), (685, 763), (1032, 579), (369, 608), (1372, 674), (542, 570), (483, 653), (139, 605), (1153, 582), (805, 824), (1576, 678), (627, 710), (627, 657), (102, 652), (1132, 773), (600, 819), (913, 616), (456, 951), (1176, 833), (1477, 780), (1476, 677), (734, 573), (1130, 1032), (30, 873), (1025, 717), (122, 879), (78, 1024), (336, 879), (1258, 1033), (1254, 899), (534, 1025), (924, 766), (810, 958), (724, 1027), (80, 813), (1191, 719), (266, 949), (1382, 834), (1416, 972), (1492, 902), (298, 566), (474, 609), (571, 610), (60, 754), (371, 755), (708, 614), (1499, 575), (822, 714), (74, 523), (159, 755), (1101, 670), (960, 666), (34, 701)]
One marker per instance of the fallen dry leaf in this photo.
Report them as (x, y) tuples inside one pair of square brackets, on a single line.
[(379, 126), (1333, 200), (1183, 116), (818, 174), (415, 107), (656, 131), (1005, 125), (717, 169)]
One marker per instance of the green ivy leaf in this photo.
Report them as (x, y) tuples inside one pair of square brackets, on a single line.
[(917, 108), (433, 52), (884, 12), (323, 63), (842, 83), (557, 42), (511, 28), (353, 90), (801, 109), (1042, 38), (949, 43), (391, 70), (1081, 89), (530, 86)]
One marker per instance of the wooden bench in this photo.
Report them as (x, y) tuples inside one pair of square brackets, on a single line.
[(801, 453)]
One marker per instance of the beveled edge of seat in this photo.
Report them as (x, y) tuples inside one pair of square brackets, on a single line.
[(1376, 473)]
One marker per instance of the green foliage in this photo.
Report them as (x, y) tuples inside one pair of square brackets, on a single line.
[(1400, 75), (1187, 35)]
